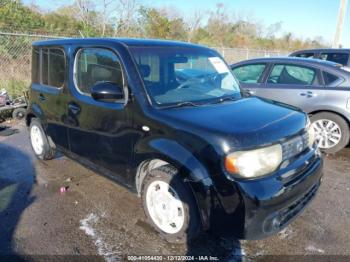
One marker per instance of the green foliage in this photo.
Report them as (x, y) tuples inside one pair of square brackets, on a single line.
[(157, 24), (13, 14), (15, 88)]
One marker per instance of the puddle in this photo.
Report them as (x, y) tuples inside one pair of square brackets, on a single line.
[(7, 131)]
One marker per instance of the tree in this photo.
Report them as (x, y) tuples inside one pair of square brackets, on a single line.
[(106, 9), (157, 24), (86, 14), (273, 29), (127, 11), (15, 16), (218, 25), (194, 24)]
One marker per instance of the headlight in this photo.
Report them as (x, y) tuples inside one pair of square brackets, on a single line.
[(254, 163), (311, 133)]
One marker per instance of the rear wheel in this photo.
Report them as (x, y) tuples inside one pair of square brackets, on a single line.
[(39, 141), (170, 206), (18, 113), (331, 131)]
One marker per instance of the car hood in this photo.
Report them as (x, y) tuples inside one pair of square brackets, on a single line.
[(243, 123)]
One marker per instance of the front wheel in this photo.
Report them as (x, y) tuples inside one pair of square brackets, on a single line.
[(170, 206), (331, 131)]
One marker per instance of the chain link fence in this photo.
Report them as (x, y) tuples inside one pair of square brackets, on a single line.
[(234, 55), (15, 59)]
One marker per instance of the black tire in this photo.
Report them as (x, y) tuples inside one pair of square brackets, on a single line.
[(48, 151), (19, 113), (192, 224), (343, 125)]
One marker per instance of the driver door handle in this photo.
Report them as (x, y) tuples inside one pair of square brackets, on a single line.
[(74, 108), (308, 94), (42, 97)]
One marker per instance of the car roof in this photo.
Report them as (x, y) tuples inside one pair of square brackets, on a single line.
[(125, 41), (297, 60), (317, 50)]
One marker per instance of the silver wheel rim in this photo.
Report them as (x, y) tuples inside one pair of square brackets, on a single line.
[(164, 207), (36, 139), (327, 133)]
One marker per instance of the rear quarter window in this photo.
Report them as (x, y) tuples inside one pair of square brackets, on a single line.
[(330, 79), (35, 65)]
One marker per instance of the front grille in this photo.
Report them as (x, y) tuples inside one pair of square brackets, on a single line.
[(287, 214), (280, 219), (295, 146)]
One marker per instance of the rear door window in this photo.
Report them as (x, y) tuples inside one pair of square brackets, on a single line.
[(292, 75), (56, 67), (53, 67), (249, 73), (340, 58)]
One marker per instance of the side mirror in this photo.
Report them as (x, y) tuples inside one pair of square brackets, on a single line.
[(247, 92), (107, 92)]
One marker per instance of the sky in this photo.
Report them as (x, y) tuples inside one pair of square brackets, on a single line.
[(303, 18)]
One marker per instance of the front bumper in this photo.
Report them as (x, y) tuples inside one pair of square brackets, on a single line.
[(267, 205)]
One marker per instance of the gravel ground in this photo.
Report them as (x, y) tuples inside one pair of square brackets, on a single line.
[(104, 221)]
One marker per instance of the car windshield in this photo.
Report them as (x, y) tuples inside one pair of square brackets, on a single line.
[(185, 76)]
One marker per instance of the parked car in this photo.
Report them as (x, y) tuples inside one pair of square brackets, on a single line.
[(337, 55), (168, 120), (320, 88)]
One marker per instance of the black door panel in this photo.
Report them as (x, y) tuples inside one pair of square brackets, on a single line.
[(99, 131)]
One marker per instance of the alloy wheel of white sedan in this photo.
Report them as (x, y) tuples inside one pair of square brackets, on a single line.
[(328, 133), (164, 207), (331, 130)]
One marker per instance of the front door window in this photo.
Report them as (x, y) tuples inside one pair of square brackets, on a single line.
[(94, 65), (249, 74)]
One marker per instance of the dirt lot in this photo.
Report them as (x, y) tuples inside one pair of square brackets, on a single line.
[(96, 216)]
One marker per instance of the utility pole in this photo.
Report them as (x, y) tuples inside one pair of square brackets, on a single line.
[(340, 22)]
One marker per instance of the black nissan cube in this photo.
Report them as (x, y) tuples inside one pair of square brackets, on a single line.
[(169, 121)]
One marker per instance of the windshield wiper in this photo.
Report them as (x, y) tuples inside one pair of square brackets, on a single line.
[(181, 104), (224, 99)]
